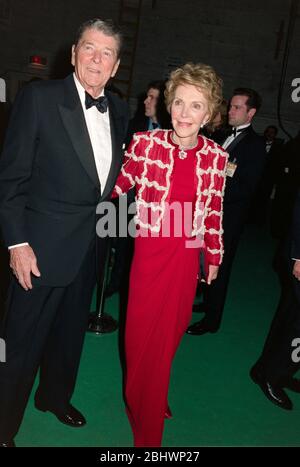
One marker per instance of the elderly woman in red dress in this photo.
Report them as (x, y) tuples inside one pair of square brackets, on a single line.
[(179, 178)]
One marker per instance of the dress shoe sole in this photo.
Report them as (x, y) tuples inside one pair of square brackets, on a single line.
[(278, 404), (69, 424)]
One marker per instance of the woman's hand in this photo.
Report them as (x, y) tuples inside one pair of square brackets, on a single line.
[(212, 273)]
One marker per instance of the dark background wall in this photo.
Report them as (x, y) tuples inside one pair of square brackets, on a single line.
[(243, 39), (240, 38)]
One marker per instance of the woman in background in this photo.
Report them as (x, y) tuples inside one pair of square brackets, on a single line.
[(218, 128)]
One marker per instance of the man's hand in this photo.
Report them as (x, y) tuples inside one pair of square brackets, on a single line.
[(296, 269), (23, 263), (212, 273)]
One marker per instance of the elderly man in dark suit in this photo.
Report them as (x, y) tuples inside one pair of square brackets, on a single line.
[(245, 166), (61, 158), (280, 358)]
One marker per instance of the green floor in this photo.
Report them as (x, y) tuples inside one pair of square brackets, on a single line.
[(214, 402)]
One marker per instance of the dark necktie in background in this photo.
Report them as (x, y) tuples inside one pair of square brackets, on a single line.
[(101, 102), (154, 125)]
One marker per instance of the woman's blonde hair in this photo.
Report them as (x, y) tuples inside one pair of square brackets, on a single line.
[(202, 77)]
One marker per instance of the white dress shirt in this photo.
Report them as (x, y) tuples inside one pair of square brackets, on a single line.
[(98, 126), (268, 146)]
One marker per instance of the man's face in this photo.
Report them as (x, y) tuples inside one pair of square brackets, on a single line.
[(238, 112), (95, 59), (151, 103)]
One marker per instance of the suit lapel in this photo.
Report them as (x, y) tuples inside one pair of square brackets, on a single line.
[(73, 119), (116, 138), (237, 140)]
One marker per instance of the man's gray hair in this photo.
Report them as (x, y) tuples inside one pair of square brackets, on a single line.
[(107, 26)]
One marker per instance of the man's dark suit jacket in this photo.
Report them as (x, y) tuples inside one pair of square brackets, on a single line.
[(275, 362), (137, 123), (250, 156), (287, 184), (49, 187)]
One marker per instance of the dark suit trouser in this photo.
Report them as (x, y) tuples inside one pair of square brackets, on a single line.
[(275, 363), (44, 329), (214, 295)]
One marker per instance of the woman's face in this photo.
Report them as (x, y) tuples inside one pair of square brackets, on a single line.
[(189, 110)]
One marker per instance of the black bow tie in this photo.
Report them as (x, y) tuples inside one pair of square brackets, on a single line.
[(235, 131), (101, 102)]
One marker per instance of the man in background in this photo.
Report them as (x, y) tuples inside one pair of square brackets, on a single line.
[(245, 166), (280, 358)]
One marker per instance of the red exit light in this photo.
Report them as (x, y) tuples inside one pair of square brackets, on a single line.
[(37, 60)]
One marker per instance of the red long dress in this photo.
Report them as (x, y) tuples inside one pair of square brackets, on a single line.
[(163, 283)]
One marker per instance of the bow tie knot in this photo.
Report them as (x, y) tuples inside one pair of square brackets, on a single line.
[(101, 103), (235, 131)]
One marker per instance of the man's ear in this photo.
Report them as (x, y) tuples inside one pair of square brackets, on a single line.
[(115, 68), (251, 113), (73, 55)]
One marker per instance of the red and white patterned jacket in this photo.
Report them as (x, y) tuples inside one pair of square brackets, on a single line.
[(148, 165)]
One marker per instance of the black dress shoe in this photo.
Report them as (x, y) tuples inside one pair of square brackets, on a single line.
[(274, 393), (8, 444), (71, 416), (199, 328)]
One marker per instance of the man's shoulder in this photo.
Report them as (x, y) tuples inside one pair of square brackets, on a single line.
[(254, 136), (119, 104), (45, 92), (139, 123), (49, 84), (46, 88), (252, 141)]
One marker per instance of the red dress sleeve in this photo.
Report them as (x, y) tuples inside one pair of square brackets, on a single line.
[(126, 179), (213, 237)]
